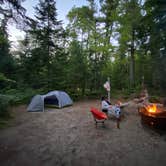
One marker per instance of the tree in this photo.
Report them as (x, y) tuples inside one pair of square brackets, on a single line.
[(12, 10), (78, 67), (129, 19), (46, 37), (83, 23), (154, 40), (6, 60), (108, 9)]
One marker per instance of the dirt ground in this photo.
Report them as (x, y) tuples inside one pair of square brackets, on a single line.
[(68, 137)]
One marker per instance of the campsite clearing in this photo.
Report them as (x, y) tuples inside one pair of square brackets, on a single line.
[(69, 137)]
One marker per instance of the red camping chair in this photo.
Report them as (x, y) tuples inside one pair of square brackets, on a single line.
[(99, 116)]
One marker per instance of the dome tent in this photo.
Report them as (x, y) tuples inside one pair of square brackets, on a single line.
[(54, 98)]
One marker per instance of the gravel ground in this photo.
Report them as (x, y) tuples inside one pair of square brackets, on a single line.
[(68, 137)]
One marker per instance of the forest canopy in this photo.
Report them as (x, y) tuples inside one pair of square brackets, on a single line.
[(80, 57)]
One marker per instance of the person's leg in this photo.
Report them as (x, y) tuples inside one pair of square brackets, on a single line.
[(117, 113), (118, 123)]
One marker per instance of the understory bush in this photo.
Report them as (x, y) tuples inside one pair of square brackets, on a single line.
[(4, 106), (21, 96)]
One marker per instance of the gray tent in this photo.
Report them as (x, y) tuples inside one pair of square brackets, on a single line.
[(55, 98)]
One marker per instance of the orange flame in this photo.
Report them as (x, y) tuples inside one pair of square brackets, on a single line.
[(151, 108)]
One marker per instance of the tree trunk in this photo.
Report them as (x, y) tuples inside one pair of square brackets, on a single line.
[(132, 62)]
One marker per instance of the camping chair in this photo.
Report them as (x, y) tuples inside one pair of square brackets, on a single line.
[(99, 117)]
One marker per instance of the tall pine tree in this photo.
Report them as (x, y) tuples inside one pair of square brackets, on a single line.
[(46, 37)]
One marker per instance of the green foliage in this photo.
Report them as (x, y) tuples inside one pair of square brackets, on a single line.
[(119, 76), (80, 59), (4, 106), (155, 32), (154, 99), (42, 65), (7, 62), (78, 68), (128, 30), (81, 18), (77, 94), (21, 95), (6, 83)]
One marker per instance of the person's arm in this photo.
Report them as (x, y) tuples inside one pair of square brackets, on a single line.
[(108, 102)]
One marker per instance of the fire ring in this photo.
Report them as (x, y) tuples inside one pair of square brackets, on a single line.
[(153, 116)]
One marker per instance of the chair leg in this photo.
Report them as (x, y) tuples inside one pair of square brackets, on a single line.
[(96, 124), (103, 124)]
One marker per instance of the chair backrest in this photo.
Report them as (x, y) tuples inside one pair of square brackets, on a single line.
[(98, 114)]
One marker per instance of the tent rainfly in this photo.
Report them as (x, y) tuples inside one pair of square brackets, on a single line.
[(54, 98)]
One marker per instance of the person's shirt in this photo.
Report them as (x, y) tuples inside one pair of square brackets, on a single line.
[(108, 102), (105, 105)]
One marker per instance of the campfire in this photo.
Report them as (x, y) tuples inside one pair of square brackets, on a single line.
[(153, 115), (151, 108)]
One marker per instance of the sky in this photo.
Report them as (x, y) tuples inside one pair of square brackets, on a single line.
[(63, 7)]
